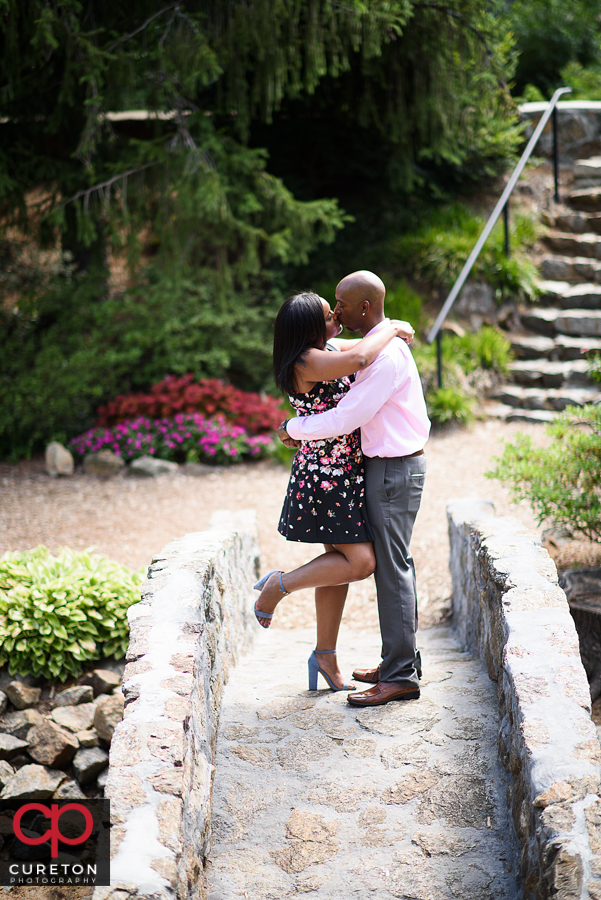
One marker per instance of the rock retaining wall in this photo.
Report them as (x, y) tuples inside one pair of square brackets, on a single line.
[(185, 634), (510, 610), (579, 129)]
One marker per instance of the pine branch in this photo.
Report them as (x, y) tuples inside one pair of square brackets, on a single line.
[(86, 192), (127, 37)]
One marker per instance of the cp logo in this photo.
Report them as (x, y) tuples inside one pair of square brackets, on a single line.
[(53, 813)]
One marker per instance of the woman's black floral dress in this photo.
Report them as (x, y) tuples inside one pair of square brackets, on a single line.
[(325, 500)]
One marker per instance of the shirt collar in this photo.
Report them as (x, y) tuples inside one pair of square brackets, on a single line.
[(378, 326)]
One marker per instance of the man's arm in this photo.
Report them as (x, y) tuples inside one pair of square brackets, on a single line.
[(358, 406)]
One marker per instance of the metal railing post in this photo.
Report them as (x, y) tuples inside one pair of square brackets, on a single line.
[(439, 358), (434, 333), (555, 155), (506, 221)]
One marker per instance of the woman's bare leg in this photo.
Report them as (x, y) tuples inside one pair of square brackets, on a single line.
[(340, 566)]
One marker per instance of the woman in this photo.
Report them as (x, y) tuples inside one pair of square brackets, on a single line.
[(325, 497)]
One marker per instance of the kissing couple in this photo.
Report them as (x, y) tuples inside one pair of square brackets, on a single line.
[(357, 477)]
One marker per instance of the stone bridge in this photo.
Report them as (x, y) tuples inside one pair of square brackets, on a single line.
[(228, 779)]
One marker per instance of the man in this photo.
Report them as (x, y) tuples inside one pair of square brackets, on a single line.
[(386, 401)]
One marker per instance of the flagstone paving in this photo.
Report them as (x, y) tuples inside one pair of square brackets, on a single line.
[(314, 796)]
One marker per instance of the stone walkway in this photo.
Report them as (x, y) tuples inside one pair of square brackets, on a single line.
[(314, 796)]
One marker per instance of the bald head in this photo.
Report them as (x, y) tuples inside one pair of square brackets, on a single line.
[(360, 300)]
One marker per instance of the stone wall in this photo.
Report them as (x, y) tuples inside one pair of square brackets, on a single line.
[(510, 610), (579, 129), (186, 632)]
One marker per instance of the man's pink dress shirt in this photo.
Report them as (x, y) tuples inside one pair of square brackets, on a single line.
[(386, 402)]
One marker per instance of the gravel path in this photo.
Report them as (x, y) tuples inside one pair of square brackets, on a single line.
[(129, 519)]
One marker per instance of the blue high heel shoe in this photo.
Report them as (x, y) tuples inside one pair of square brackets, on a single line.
[(314, 669), (259, 587)]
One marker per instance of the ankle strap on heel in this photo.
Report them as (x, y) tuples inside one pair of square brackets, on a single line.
[(324, 651)]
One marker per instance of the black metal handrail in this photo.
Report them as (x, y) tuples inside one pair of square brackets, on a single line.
[(501, 207)]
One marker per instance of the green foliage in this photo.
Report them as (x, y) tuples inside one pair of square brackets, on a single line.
[(442, 241), (448, 405), (585, 82), (594, 366), (486, 348), (59, 612), (562, 481), (549, 35)]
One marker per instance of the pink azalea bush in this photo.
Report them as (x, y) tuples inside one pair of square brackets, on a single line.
[(186, 436)]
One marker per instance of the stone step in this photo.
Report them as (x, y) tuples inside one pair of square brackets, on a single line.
[(550, 374), (578, 223), (581, 245), (567, 347), (560, 347), (550, 321), (495, 410), (571, 269), (570, 296), (554, 399), (587, 199), (588, 168)]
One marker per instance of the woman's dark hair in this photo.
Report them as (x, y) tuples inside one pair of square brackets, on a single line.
[(299, 325)]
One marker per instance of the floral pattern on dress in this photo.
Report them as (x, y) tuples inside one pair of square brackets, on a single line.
[(325, 500)]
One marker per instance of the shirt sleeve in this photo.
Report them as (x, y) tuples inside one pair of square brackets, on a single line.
[(357, 407)]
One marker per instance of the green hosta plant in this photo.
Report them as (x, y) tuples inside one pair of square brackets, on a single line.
[(562, 481), (58, 612)]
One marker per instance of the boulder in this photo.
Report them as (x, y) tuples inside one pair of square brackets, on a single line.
[(22, 696), (32, 783), (104, 463), (69, 790), (197, 469), (103, 778), (102, 681), (3, 702), (19, 723), (6, 772), (51, 745), (149, 467), (11, 746), (79, 693), (58, 460), (87, 738), (109, 713), (30, 852), (75, 718), (88, 763)]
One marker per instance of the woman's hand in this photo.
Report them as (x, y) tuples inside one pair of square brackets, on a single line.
[(403, 330)]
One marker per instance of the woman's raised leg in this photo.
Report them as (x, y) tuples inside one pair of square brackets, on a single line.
[(341, 565)]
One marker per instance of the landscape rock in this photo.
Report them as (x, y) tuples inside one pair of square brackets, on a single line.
[(21, 695), (32, 782), (102, 778), (75, 718), (102, 681), (3, 702), (104, 463), (70, 790), (109, 713), (18, 723), (197, 469), (87, 738), (73, 696), (10, 746), (88, 763), (30, 852), (149, 467), (59, 460), (51, 745), (6, 772)]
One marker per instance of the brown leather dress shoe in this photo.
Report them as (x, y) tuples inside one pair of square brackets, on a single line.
[(369, 676), (383, 692), (372, 676)]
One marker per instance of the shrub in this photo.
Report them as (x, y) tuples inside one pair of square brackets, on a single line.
[(438, 247), (486, 348), (187, 436), (59, 612), (448, 405), (563, 480), (253, 412)]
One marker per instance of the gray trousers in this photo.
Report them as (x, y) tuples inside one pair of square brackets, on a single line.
[(393, 492)]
